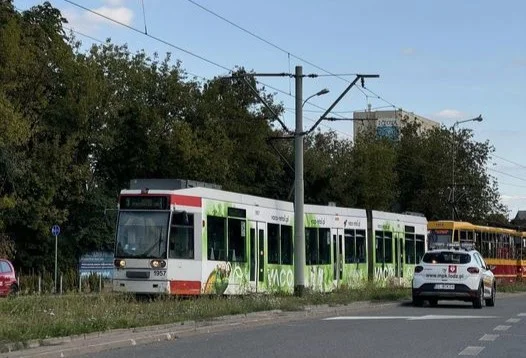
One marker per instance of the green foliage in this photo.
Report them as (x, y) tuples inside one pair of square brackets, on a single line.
[(77, 126), (7, 247)]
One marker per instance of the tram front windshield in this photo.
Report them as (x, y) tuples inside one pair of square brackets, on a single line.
[(142, 234), (439, 237)]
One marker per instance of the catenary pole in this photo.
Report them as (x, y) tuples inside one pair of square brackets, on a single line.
[(299, 228)]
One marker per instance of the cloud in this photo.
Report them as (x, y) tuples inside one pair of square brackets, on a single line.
[(114, 3), (121, 14), (512, 198), (87, 22), (519, 62), (450, 114), (408, 51)]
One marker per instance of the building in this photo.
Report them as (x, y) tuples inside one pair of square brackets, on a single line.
[(520, 219), (387, 123)]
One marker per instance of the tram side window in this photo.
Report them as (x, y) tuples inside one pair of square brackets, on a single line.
[(483, 244), (182, 236), (503, 246), (420, 247), (361, 251), (379, 237), (410, 248), (273, 243), (384, 247), (317, 246), (215, 232), (237, 239), (325, 246), (350, 246), (388, 247), (517, 247), (286, 245), (311, 246)]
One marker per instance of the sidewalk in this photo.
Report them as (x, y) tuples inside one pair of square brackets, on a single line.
[(100, 341)]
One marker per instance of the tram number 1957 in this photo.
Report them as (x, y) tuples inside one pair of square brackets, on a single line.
[(159, 272)]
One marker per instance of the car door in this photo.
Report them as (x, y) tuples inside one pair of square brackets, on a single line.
[(487, 275), (4, 284)]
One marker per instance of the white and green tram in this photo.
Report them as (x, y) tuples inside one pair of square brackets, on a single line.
[(200, 240)]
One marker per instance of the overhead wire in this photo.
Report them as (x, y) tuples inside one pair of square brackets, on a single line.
[(509, 161), (328, 73), (199, 56)]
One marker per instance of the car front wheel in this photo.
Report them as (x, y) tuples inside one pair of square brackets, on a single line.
[(477, 301), (491, 301)]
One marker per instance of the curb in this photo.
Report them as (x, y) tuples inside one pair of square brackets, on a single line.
[(118, 338)]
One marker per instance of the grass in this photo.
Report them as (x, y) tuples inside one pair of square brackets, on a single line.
[(38, 317), (518, 286)]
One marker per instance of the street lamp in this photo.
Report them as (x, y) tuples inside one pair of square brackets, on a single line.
[(299, 228), (320, 93), (476, 119)]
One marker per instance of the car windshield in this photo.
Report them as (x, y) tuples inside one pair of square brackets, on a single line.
[(142, 234), (446, 257)]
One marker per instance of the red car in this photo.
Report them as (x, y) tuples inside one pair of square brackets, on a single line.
[(8, 283)]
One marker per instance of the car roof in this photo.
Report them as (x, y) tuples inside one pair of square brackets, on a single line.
[(452, 250)]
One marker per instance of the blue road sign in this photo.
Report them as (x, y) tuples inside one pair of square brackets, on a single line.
[(55, 230)]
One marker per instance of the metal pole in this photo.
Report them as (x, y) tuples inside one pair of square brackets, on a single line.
[(56, 256), (299, 228), (453, 177)]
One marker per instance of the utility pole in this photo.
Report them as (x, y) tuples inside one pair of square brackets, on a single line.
[(299, 227)]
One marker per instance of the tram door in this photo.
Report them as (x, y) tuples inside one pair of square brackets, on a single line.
[(337, 255), (399, 255), (257, 254)]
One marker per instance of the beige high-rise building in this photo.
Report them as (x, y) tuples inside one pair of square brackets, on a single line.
[(387, 123)]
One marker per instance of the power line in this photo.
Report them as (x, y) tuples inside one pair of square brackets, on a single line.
[(509, 184), (187, 51), (82, 34), (503, 173), (148, 35), (329, 73), (509, 161)]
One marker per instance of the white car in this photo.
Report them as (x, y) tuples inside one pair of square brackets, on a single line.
[(453, 274)]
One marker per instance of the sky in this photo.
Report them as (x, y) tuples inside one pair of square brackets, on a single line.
[(447, 60)]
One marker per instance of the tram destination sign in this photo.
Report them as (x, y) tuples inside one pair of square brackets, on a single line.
[(153, 202)]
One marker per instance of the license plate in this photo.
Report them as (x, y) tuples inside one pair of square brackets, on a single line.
[(441, 286)]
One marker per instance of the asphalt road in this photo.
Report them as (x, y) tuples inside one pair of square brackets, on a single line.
[(451, 329)]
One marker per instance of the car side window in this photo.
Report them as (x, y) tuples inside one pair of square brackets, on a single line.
[(479, 260), (4, 267)]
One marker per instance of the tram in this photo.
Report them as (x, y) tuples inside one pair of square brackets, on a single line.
[(202, 240)]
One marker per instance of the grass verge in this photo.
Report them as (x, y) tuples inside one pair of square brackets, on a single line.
[(38, 317)]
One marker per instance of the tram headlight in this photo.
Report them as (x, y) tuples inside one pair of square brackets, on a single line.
[(158, 263), (119, 263)]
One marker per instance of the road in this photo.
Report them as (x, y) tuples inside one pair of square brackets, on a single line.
[(399, 330)]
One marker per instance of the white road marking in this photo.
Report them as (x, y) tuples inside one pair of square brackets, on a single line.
[(407, 318), (501, 328), (489, 337), (471, 351), (522, 315), (513, 320)]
